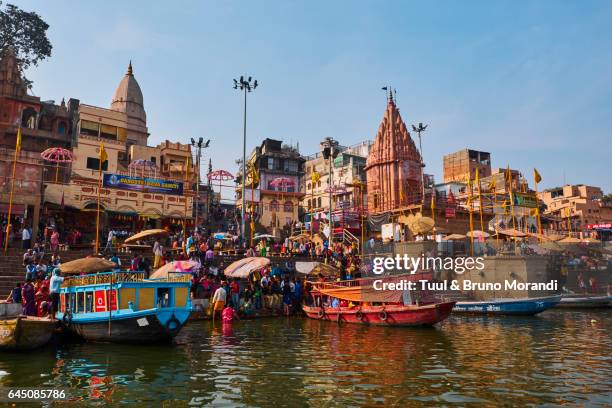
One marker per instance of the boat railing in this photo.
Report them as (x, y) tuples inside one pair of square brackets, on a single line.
[(173, 277), (102, 278)]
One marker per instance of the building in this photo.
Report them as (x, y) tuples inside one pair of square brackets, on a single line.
[(348, 178), (394, 166), (457, 166), (142, 186), (578, 207), (274, 173), (43, 124)]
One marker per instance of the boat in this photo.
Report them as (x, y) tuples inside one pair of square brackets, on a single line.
[(371, 306), (584, 302), (125, 307), (521, 306), (25, 332)]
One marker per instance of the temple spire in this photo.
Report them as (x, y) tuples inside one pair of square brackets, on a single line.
[(129, 71)]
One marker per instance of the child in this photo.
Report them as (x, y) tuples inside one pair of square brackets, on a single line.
[(229, 314)]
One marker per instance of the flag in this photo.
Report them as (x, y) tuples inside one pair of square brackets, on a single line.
[(492, 186), (103, 156), (62, 203), (433, 201), (315, 176), (508, 176), (18, 143), (536, 176)]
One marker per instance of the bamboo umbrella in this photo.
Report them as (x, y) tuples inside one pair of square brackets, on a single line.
[(454, 237), (87, 265), (145, 234)]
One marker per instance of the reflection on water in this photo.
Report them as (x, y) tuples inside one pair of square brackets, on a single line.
[(559, 357)]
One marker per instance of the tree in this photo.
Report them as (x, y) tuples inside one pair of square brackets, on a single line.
[(607, 199), (26, 33)]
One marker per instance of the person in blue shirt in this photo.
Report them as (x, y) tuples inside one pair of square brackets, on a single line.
[(30, 271), (54, 290)]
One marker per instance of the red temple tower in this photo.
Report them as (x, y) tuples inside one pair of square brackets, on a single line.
[(393, 168)]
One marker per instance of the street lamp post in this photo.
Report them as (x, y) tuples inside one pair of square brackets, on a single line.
[(199, 144), (419, 129), (245, 85), (330, 152)]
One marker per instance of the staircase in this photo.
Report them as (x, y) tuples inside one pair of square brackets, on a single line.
[(12, 270), (347, 238)]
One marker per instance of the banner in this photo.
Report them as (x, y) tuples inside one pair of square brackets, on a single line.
[(525, 200), (149, 185)]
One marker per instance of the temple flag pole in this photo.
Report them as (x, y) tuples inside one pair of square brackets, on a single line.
[(537, 178), (493, 187), (479, 201), (102, 157), (10, 208), (185, 217), (509, 181), (469, 186)]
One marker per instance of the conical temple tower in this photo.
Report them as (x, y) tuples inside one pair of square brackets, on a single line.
[(393, 168)]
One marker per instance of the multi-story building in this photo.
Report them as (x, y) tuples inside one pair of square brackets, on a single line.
[(457, 166), (274, 195), (43, 124), (348, 179), (580, 204), (140, 185)]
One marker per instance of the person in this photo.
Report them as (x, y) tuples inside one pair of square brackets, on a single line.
[(54, 290), (287, 287), (158, 251), (109, 241), (30, 271), (218, 300), (115, 259), (257, 295), (38, 252), (54, 241), (210, 255), (229, 314), (235, 292), (28, 298), (15, 295), (26, 238)]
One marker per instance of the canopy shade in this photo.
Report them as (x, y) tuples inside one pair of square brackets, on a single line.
[(512, 233), (454, 237), (87, 265), (145, 234), (478, 234), (242, 268), (175, 266)]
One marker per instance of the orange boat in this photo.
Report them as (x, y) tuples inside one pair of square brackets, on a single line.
[(368, 304)]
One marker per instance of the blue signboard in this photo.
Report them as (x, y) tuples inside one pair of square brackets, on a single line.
[(149, 185)]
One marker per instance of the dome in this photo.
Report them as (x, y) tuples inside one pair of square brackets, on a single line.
[(128, 97)]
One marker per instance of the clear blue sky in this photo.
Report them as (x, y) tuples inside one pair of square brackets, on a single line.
[(529, 81)]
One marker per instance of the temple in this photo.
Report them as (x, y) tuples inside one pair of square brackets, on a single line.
[(393, 168)]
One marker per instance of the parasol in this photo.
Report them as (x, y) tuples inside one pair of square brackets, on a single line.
[(322, 269), (420, 224), (242, 268), (221, 235), (300, 237), (87, 265), (264, 236), (57, 155), (478, 234), (512, 233), (175, 266), (569, 240), (454, 237), (145, 234)]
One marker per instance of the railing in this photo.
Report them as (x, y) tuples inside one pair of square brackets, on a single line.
[(102, 278)]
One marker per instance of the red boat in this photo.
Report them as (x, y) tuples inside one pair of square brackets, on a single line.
[(366, 305)]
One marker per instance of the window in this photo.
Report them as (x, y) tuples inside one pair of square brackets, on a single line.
[(319, 202), (319, 183), (309, 203), (89, 302), (288, 207), (153, 159), (90, 128), (80, 306), (164, 297), (291, 165), (274, 205), (271, 163), (28, 118), (309, 186), (94, 164)]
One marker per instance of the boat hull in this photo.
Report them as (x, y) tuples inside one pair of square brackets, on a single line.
[(389, 315), (517, 307), (585, 302), (138, 328), (25, 333)]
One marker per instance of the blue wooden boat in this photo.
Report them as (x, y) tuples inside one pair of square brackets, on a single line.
[(125, 307), (524, 306), (577, 301)]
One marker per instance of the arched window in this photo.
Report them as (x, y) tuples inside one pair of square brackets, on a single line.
[(28, 118), (319, 202), (274, 205), (61, 128), (375, 200), (288, 207), (308, 186), (309, 203), (319, 183)]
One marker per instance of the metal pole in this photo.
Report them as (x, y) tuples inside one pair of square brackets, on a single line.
[(422, 172), (242, 227), (331, 223), (197, 206)]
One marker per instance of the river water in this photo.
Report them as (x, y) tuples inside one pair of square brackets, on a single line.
[(558, 357)]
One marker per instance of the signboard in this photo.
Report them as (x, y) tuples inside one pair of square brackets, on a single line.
[(450, 212), (252, 196), (390, 232), (525, 200), (150, 185), (607, 225), (101, 298)]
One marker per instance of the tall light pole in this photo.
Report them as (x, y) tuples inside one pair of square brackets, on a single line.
[(330, 152), (419, 129), (245, 85), (199, 144)]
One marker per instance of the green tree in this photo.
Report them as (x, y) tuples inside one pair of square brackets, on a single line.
[(26, 33), (607, 199)]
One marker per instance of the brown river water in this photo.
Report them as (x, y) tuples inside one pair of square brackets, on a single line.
[(555, 358)]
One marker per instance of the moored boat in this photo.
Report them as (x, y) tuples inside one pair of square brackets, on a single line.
[(523, 306), (584, 302), (125, 307), (25, 332), (371, 306)]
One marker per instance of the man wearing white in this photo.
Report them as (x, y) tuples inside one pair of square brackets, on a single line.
[(218, 300)]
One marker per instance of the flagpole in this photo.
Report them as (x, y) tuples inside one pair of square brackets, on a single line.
[(495, 215), (469, 185), (536, 175), (8, 225), (480, 202), (100, 160), (509, 180)]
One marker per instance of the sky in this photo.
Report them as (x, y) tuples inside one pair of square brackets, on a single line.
[(528, 81)]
